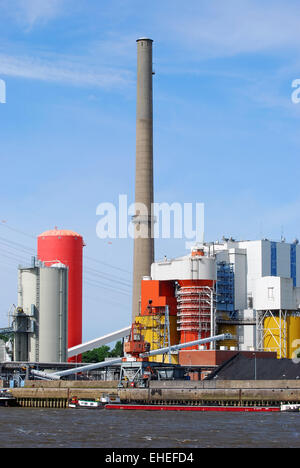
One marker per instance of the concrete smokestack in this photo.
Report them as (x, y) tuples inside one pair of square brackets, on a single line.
[(143, 221)]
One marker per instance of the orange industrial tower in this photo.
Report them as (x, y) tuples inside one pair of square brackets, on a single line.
[(158, 329), (185, 289), (63, 246)]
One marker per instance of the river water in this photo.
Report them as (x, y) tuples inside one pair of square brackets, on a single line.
[(67, 428)]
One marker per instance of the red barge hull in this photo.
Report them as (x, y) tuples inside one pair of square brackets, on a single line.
[(249, 409)]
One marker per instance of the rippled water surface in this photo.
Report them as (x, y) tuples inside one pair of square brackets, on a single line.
[(24, 427)]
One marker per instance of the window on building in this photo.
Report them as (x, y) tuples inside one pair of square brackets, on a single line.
[(270, 293)]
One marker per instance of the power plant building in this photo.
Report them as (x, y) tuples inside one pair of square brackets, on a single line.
[(267, 291), (250, 289)]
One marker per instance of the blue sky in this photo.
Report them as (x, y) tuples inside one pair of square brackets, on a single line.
[(226, 132)]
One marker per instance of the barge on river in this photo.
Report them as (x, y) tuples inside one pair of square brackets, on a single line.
[(249, 409)]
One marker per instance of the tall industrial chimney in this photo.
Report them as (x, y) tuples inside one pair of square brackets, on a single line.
[(143, 220)]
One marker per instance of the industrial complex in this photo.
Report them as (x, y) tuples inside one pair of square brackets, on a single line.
[(191, 315)]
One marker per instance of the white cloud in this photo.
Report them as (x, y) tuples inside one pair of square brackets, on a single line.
[(226, 28), (62, 69), (30, 12), (40, 9)]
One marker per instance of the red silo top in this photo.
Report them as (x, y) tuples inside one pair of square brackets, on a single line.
[(60, 233), (66, 247)]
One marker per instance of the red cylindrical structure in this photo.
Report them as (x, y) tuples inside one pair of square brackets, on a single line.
[(194, 310), (67, 247)]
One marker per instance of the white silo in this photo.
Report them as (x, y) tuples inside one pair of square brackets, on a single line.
[(53, 329), (43, 300), (26, 315)]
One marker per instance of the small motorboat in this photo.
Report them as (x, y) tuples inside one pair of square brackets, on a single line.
[(6, 398), (93, 403), (85, 403)]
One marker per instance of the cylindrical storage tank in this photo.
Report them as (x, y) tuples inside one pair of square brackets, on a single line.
[(293, 326), (62, 246), (53, 327), (275, 335), (27, 288), (28, 294), (203, 268), (282, 335), (195, 304)]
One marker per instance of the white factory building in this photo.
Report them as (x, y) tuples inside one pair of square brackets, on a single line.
[(259, 288)]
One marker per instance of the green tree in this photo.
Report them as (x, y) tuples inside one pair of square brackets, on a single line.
[(100, 354), (4, 338), (96, 355), (118, 350)]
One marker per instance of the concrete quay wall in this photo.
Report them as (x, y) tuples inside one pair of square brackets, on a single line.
[(227, 384), (156, 395), (56, 394)]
